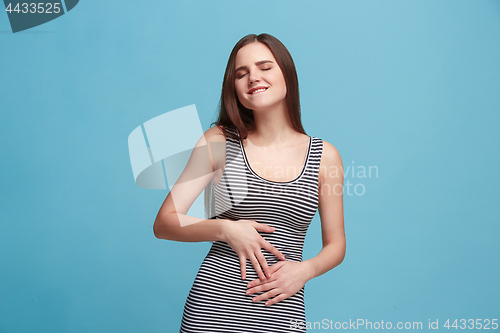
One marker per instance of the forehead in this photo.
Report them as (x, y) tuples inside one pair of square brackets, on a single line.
[(253, 52)]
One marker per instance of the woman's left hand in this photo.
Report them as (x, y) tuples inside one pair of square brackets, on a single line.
[(287, 278)]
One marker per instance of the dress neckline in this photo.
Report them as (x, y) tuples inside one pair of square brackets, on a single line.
[(272, 181)]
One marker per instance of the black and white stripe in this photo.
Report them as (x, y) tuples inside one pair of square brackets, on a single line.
[(217, 301)]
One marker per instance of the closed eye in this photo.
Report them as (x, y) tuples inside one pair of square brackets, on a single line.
[(264, 69)]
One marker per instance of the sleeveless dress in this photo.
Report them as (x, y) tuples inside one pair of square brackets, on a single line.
[(217, 301)]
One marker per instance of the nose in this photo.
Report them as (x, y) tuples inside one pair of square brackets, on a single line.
[(253, 76)]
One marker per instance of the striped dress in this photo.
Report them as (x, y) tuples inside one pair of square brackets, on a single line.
[(217, 301)]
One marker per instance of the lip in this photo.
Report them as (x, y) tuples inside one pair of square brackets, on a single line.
[(250, 92)]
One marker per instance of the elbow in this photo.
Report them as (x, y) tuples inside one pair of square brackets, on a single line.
[(160, 230), (339, 248), (342, 257), (155, 227), (166, 226)]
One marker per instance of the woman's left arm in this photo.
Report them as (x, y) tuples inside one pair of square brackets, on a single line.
[(331, 212), (289, 277)]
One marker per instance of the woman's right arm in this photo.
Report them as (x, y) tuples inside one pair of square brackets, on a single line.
[(184, 228), (172, 223)]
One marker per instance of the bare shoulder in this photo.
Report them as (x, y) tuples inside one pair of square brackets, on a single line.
[(330, 152), (215, 134), (216, 141), (330, 158)]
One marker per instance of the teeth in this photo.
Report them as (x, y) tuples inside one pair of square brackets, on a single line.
[(259, 90)]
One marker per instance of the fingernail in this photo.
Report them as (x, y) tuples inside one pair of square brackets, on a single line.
[(248, 292)]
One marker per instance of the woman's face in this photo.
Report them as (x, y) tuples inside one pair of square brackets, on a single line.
[(259, 81)]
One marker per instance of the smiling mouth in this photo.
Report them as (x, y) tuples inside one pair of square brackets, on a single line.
[(258, 91)]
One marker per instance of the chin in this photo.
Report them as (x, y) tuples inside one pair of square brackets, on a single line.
[(258, 108), (266, 105)]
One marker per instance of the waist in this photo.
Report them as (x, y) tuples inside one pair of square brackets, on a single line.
[(221, 248)]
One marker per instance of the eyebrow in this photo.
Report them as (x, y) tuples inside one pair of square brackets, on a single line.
[(257, 63)]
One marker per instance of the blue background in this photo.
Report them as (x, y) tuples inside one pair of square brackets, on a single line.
[(411, 87)]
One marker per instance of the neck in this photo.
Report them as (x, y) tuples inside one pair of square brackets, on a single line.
[(272, 126)]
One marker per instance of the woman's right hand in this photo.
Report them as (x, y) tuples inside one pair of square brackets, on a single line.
[(244, 239)]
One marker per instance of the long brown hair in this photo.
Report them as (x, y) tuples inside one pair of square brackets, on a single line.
[(234, 115)]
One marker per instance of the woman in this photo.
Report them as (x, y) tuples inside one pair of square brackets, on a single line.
[(252, 279)]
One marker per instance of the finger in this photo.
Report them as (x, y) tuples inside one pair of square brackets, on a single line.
[(263, 227), (255, 282), (263, 287), (243, 267), (269, 294), (268, 246), (277, 299), (263, 263), (274, 268), (256, 265), (258, 282)]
